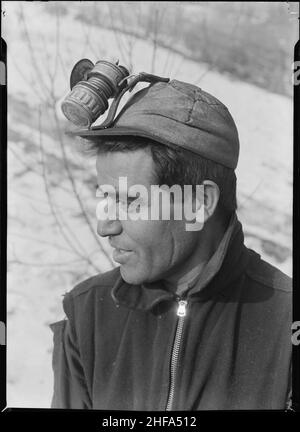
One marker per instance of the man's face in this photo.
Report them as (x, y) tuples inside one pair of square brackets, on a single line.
[(147, 250)]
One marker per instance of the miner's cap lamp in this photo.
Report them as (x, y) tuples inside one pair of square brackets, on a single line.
[(93, 85)]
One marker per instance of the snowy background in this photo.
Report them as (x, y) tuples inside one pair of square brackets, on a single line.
[(52, 240)]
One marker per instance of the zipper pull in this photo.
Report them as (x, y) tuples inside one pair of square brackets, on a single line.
[(181, 311)]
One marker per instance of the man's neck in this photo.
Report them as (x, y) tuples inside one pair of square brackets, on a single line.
[(208, 242)]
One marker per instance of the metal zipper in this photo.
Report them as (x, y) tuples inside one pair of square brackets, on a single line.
[(181, 313)]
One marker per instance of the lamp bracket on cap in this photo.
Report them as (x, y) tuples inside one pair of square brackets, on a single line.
[(141, 77)]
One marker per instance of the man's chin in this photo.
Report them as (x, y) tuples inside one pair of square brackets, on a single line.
[(131, 276)]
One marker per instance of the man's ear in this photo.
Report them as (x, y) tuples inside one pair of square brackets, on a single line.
[(211, 198)]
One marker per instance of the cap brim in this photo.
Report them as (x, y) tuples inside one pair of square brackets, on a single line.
[(95, 134)]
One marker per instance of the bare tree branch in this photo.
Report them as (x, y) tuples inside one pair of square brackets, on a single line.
[(34, 170), (117, 35), (38, 240), (72, 182), (61, 229), (31, 83), (154, 39), (47, 264), (36, 67)]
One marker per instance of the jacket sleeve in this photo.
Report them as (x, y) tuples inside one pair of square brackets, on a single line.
[(70, 390)]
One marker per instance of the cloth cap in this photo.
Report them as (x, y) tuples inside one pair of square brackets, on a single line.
[(177, 114)]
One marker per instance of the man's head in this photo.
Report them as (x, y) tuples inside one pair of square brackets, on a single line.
[(172, 134), (157, 248)]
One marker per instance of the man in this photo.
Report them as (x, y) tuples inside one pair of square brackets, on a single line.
[(191, 319)]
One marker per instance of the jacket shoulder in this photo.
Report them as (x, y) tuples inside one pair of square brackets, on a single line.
[(107, 279), (268, 275)]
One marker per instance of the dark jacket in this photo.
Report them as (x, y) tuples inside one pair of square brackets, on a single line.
[(123, 347)]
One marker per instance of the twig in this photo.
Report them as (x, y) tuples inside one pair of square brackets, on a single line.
[(71, 179), (249, 196), (40, 200), (87, 40), (116, 33), (30, 83), (35, 171), (32, 264), (154, 40), (53, 209), (36, 68), (40, 241), (213, 64), (130, 39)]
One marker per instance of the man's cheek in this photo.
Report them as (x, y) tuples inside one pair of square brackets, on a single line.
[(148, 234)]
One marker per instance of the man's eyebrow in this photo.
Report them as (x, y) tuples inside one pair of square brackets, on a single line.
[(99, 190), (130, 197)]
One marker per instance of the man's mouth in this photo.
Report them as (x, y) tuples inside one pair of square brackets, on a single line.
[(120, 250), (121, 255)]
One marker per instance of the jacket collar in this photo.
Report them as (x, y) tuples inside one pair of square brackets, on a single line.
[(200, 276), (227, 263)]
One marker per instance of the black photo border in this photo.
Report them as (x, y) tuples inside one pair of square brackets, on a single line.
[(93, 419)]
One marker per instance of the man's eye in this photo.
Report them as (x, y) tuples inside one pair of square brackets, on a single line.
[(126, 204), (131, 199), (100, 194)]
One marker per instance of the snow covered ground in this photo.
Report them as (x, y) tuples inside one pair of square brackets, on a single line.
[(41, 264)]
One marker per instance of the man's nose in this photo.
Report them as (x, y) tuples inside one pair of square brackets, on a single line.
[(109, 227)]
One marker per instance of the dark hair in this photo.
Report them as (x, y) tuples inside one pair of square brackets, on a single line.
[(176, 166)]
